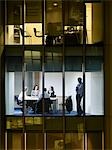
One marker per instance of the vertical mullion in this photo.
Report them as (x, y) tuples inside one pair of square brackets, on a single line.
[(84, 62), (43, 71), (63, 81), (23, 75)]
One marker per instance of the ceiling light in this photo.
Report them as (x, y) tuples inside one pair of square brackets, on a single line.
[(55, 4)]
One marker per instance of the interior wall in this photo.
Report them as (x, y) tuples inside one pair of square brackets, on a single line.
[(97, 22), (9, 93), (55, 80), (94, 95), (18, 82)]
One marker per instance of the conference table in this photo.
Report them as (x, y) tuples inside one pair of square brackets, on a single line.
[(30, 100)]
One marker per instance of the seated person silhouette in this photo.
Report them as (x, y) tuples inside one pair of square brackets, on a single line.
[(51, 92), (43, 104)]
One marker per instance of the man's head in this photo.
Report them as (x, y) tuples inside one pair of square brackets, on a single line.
[(45, 89), (80, 80)]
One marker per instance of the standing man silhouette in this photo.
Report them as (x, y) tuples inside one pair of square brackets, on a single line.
[(79, 95)]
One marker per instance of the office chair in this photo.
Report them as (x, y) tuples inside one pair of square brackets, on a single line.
[(35, 33), (18, 101), (69, 104), (25, 34)]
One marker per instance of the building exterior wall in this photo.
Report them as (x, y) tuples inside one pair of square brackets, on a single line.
[(1, 79), (108, 75)]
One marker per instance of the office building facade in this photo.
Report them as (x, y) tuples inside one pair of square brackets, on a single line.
[(64, 45)]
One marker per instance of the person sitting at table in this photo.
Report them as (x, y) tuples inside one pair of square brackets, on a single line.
[(45, 95), (47, 104), (35, 92), (51, 92), (20, 97)]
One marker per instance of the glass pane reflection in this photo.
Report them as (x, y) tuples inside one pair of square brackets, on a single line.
[(74, 141)]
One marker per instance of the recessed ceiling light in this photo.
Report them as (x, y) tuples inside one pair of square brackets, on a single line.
[(55, 4)]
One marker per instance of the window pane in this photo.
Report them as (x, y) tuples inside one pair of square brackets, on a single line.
[(74, 141), (73, 22), (13, 23), (14, 123), (53, 24), (55, 141), (94, 87), (13, 82), (94, 141), (53, 84), (33, 81), (94, 21), (14, 141), (34, 141), (73, 71), (33, 22)]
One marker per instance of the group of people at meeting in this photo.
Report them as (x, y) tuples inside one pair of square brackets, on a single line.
[(35, 94), (51, 93)]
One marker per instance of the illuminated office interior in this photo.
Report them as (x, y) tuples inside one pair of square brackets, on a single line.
[(53, 43)]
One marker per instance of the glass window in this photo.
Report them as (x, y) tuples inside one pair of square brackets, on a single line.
[(14, 123), (55, 141), (14, 141), (73, 22), (74, 141), (34, 141), (94, 88), (94, 141), (33, 22), (13, 82), (53, 79), (53, 22), (13, 23), (73, 87), (94, 21), (33, 82)]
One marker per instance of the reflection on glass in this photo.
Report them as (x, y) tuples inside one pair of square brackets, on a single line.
[(34, 141), (94, 141), (74, 141), (53, 27), (73, 35), (33, 60), (14, 141), (55, 141), (14, 123), (73, 25), (53, 59)]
